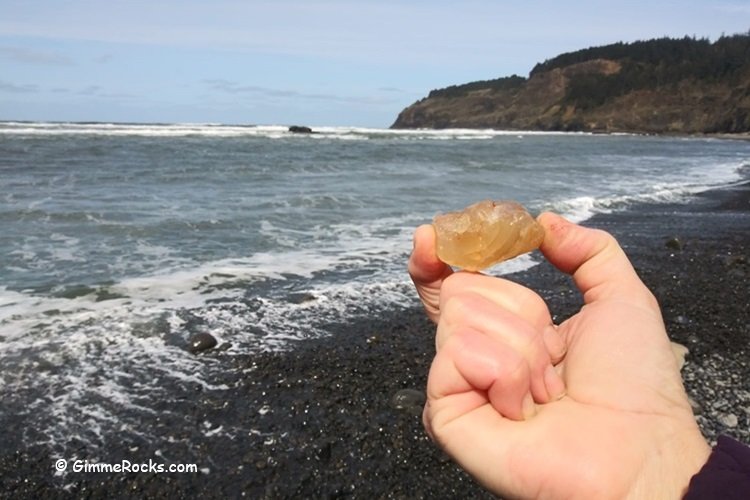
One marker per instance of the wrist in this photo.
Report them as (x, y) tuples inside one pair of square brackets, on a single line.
[(674, 457)]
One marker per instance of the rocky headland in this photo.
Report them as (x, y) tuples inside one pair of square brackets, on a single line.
[(677, 86)]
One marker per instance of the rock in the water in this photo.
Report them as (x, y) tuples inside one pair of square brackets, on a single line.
[(201, 342), (301, 298), (409, 400), (299, 129), (486, 233)]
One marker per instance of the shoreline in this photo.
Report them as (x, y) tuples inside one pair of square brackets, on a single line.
[(740, 136), (322, 421), (743, 136)]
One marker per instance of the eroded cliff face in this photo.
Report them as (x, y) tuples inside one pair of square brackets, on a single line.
[(543, 102)]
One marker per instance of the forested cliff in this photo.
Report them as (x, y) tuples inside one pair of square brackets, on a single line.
[(664, 85)]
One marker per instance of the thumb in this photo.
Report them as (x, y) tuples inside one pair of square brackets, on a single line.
[(593, 257)]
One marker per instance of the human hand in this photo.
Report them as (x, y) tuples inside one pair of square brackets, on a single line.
[(611, 419)]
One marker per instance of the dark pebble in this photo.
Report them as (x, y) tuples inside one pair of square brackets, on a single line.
[(674, 243), (201, 342), (735, 261), (324, 452)]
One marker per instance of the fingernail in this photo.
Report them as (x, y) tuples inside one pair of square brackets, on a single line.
[(528, 408), (554, 383)]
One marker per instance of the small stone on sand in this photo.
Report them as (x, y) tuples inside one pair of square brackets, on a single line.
[(679, 351), (409, 400), (729, 420)]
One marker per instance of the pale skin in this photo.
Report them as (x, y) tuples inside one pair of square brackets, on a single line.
[(591, 408)]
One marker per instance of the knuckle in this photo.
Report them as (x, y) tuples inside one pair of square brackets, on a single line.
[(451, 340), (453, 284), (607, 237), (456, 308), (604, 244), (515, 372)]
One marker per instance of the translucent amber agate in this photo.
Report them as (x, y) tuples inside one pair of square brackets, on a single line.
[(486, 233)]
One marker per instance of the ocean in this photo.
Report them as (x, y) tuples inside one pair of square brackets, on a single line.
[(119, 242)]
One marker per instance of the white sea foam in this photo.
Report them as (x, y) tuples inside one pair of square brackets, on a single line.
[(265, 131), (102, 370), (104, 360), (693, 181)]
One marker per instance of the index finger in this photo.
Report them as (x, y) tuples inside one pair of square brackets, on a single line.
[(507, 294)]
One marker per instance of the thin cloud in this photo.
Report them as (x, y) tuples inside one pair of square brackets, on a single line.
[(390, 89), (29, 56), (442, 35), (90, 90), (734, 8), (103, 59), (100, 92), (237, 88), (18, 89)]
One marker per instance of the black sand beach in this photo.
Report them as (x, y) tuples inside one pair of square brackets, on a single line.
[(322, 417)]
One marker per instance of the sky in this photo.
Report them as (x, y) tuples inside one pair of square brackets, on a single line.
[(315, 63)]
